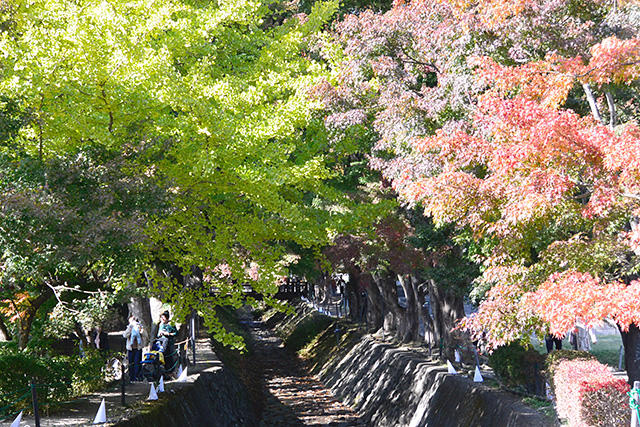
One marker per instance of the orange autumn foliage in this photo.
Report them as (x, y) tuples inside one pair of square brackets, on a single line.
[(471, 104), (537, 160), (547, 82), (614, 61), (550, 80)]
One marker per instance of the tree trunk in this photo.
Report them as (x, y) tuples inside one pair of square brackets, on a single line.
[(392, 311), (29, 314), (375, 303), (353, 295), (631, 343), (613, 116), (5, 335), (425, 313), (410, 319), (82, 335), (447, 309), (323, 288), (592, 102), (318, 292)]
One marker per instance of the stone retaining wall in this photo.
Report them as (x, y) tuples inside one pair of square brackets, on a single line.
[(216, 398), (388, 386), (394, 387)]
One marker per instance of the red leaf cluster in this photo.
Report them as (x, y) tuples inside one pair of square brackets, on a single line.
[(574, 379), (490, 143)]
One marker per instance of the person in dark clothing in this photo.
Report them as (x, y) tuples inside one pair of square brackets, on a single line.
[(550, 340), (166, 334)]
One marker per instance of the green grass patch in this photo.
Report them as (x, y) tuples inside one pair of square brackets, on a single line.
[(326, 349), (313, 335), (606, 349), (543, 406), (537, 404), (307, 331)]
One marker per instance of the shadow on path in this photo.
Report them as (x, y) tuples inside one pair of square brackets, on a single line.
[(292, 396)]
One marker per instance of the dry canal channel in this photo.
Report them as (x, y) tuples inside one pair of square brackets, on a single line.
[(292, 396)]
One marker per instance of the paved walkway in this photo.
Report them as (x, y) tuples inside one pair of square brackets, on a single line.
[(292, 396), (82, 412)]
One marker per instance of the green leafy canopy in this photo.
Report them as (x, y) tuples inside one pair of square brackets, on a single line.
[(216, 93)]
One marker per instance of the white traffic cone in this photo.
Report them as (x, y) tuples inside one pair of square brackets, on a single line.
[(161, 385), (18, 420), (477, 377), (101, 416), (451, 369), (152, 393), (179, 370), (183, 376)]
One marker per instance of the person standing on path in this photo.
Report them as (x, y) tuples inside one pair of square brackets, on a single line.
[(167, 333), (550, 340), (133, 334)]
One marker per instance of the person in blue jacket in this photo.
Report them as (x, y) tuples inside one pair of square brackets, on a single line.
[(135, 342)]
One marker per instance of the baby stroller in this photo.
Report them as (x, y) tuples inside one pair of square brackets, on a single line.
[(153, 366)]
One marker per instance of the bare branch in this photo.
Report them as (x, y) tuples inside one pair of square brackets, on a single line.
[(590, 70), (592, 102), (418, 62), (613, 117), (586, 73), (104, 99), (58, 288)]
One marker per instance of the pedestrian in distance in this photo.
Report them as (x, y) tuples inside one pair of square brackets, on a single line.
[(550, 340), (135, 342), (100, 339)]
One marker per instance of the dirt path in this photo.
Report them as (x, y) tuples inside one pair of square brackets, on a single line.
[(292, 396)]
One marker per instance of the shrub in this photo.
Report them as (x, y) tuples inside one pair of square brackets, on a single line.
[(606, 404), (555, 357), (58, 379), (586, 392), (519, 367)]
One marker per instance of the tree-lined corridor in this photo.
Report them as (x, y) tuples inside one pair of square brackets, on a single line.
[(191, 151)]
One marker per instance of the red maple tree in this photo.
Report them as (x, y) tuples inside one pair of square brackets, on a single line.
[(488, 116)]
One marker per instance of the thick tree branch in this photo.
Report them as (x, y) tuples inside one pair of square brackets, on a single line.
[(592, 102), (613, 117), (4, 331), (29, 309)]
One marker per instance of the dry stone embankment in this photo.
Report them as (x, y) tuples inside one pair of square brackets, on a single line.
[(389, 386)]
